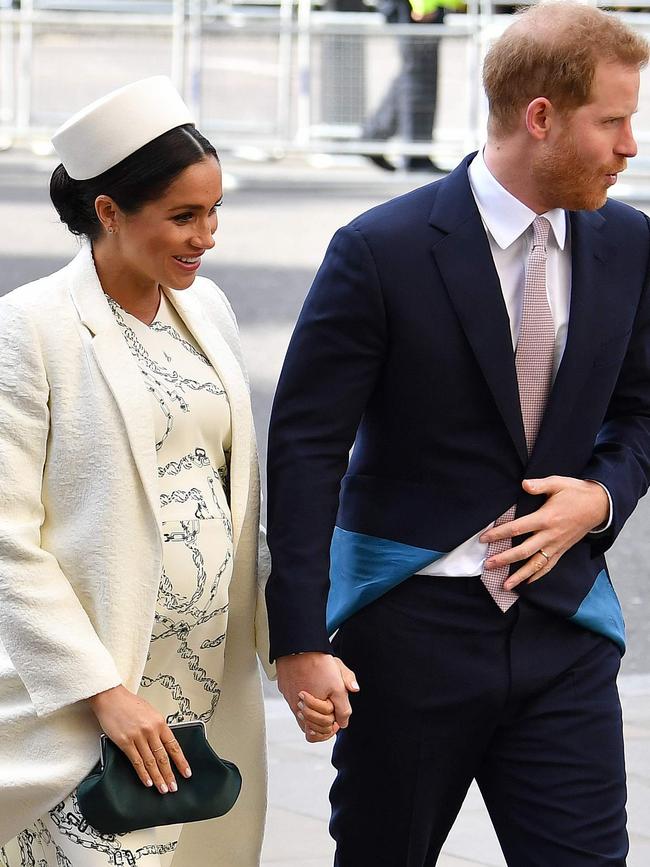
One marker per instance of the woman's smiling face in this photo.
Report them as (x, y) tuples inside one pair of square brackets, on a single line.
[(163, 242)]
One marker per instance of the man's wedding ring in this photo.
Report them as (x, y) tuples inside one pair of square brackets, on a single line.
[(545, 555)]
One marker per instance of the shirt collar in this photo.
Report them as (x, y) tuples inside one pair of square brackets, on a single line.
[(505, 217)]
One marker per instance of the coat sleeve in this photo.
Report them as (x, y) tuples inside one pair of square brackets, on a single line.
[(621, 456), (331, 367), (43, 626)]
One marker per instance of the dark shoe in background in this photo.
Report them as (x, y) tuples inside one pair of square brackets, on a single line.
[(380, 161), (423, 164)]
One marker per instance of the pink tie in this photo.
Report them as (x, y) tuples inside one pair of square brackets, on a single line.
[(534, 364)]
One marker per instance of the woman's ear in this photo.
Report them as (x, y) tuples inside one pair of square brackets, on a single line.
[(107, 212)]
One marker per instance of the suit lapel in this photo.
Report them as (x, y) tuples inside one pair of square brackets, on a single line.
[(589, 253), (118, 369), (210, 338), (465, 262)]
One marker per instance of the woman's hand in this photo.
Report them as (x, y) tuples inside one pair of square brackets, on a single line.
[(316, 716), (142, 734)]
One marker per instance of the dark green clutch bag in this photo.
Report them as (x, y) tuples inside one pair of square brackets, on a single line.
[(113, 800)]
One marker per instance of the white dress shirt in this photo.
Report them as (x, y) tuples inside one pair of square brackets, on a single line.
[(508, 224)]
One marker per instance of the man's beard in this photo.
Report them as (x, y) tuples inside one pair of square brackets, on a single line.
[(564, 181)]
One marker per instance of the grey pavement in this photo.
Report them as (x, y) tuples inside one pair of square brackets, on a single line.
[(300, 776), (274, 228)]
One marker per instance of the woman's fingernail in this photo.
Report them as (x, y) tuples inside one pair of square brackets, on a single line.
[(301, 695), (173, 787), (188, 773), (355, 685), (164, 789), (300, 716), (148, 782), (300, 705)]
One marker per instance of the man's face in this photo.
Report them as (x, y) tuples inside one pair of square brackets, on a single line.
[(590, 145)]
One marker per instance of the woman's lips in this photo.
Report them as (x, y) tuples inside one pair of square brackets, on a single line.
[(192, 265)]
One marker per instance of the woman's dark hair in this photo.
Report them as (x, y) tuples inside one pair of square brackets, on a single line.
[(141, 177)]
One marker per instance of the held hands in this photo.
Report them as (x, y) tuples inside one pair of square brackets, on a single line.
[(573, 508), (304, 676), (142, 733)]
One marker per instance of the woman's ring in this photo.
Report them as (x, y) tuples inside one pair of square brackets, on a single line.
[(545, 555), (158, 749)]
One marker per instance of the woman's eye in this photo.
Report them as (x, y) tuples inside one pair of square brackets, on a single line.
[(183, 218)]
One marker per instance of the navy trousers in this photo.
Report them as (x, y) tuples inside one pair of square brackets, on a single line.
[(453, 690)]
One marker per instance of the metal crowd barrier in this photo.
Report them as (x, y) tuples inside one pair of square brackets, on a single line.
[(277, 75)]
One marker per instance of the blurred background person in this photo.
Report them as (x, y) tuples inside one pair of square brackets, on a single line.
[(408, 108)]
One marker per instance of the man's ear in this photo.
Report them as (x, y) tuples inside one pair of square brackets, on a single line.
[(539, 115)]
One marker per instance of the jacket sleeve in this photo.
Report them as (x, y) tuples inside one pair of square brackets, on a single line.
[(331, 367), (621, 456), (43, 626)]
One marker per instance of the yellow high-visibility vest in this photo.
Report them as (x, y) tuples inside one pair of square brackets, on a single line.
[(426, 7)]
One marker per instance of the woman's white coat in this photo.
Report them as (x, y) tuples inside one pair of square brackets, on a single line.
[(80, 548)]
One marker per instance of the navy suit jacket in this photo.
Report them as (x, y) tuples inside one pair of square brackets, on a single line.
[(403, 350)]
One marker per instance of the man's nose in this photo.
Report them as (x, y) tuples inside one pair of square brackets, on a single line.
[(626, 145)]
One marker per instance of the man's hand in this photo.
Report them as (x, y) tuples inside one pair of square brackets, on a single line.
[(316, 686), (574, 507)]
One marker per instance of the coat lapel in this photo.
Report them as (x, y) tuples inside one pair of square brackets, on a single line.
[(465, 262), (118, 369), (589, 253), (209, 335)]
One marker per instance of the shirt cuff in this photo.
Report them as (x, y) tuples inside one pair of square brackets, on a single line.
[(605, 526)]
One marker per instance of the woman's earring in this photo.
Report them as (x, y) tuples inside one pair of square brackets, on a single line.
[(110, 230)]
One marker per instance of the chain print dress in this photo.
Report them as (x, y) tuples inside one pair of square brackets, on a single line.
[(186, 655)]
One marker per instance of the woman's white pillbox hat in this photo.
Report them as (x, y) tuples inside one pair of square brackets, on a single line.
[(110, 129)]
